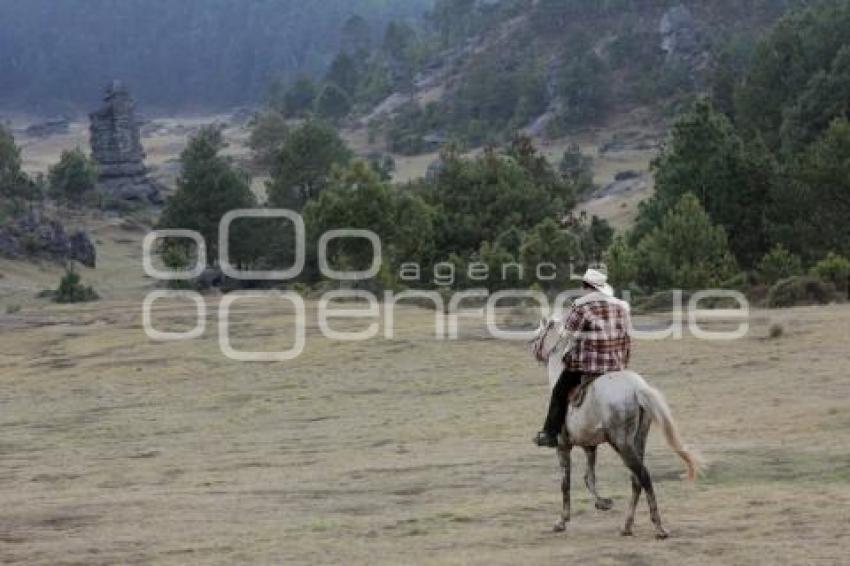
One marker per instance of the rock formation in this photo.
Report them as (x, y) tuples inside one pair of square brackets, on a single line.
[(683, 41), (117, 148), (33, 236)]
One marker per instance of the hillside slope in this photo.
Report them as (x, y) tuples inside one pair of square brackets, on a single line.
[(553, 68)]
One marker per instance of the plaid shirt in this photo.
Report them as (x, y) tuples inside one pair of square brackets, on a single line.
[(600, 328)]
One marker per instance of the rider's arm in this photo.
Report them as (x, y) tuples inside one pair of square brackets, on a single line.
[(574, 322)]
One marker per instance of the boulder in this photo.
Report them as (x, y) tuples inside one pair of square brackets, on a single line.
[(627, 175), (209, 278), (82, 249)]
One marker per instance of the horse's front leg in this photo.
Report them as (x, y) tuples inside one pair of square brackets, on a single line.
[(564, 458), (602, 503)]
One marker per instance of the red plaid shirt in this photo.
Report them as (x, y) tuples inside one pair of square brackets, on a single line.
[(600, 327)]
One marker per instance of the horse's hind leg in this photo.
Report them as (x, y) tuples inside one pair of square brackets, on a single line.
[(632, 452), (564, 458), (630, 513), (638, 438), (602, 503)]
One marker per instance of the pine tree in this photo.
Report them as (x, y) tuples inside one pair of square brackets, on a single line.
[(808, 213), (303, 166), (732, 180), (685, 251), (209, 187), (73, 177)]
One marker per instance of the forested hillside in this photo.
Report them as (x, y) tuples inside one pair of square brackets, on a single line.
[(476, 72), (55, 56), (750, 185)]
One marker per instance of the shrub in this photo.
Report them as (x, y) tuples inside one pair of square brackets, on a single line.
[(72, 291), (800, 290), (778, 264), (31, 244), (834, 269), (739, 282), (301, 288), (176, 258)]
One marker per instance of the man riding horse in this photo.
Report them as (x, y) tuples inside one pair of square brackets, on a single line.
[(599, 326)]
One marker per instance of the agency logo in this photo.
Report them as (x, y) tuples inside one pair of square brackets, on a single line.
[(378, 315)]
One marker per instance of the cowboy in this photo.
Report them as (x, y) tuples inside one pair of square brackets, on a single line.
[(599, 325)]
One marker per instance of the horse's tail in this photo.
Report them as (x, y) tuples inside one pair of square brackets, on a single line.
[(652, 400)]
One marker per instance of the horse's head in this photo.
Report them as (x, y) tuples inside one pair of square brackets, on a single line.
[(538, 344)]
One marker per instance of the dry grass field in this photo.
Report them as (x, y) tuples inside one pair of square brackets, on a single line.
[(117, 449)]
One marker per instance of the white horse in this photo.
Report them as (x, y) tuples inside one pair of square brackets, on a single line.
[(618, 408)]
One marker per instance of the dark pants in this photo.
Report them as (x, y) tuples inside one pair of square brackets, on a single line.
[(560, 399)]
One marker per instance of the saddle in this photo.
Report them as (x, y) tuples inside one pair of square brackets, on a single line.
[(579, 392)]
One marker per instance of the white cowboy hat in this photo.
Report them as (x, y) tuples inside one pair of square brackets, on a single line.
[(598, 281)]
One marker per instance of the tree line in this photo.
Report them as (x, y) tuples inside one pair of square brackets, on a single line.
[(507, 63), (507, 206)]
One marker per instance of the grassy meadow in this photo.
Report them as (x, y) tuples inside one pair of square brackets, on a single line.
[(117, 449)]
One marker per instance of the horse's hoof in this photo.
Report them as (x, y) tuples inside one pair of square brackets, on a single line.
[(559, 526), (604, 504), (626, 532), (661, 535)]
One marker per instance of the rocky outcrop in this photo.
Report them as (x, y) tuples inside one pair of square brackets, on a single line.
[(81, 248), (36, 237), (683, 41), (117, 148)]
